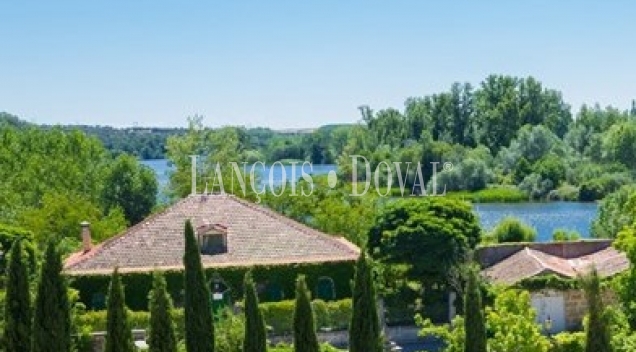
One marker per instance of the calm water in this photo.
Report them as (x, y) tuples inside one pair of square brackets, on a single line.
[(544, 217), (277, 172)]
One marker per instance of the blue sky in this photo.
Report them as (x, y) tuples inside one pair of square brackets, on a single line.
[(294, 64)]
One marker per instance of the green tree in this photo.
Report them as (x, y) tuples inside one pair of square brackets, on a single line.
[(17, 327), (474, 323), (614, 213), (511, 323), (619, 144), (118, 333), (61, 214), (626, 285), (220, 146), (161, 336), (255, 333), (199, 328), (305, 339), (447, 228), (597, 337), (365, 334), (52, 319), (131, 187)]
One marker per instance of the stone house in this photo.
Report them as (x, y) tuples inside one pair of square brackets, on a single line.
[(234, 236), (564, 308)]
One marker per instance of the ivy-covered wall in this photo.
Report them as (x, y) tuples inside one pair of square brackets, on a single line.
[(275, 283)]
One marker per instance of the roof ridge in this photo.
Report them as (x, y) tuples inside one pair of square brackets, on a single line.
[(83, 256), (532, 253)]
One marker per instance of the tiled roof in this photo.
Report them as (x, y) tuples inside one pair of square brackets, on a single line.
[(255, 236), (529, 262)]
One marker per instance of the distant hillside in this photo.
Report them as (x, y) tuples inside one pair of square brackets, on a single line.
[(314, 144)]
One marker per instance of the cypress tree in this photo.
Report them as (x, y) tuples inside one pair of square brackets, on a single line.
[(255, 334), (364, 331), (118, 333), (597, 337), (305, 339), (199, 329), (17, 330), (162, 337), (474, 322), (52, 319)]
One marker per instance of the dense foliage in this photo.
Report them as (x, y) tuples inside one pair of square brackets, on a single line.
[(161, 334), (511, 229), (474, 321), (17, 309), (419, 241), (597, 338), (305, 339), (53, 179), (199, 329), (118, 333), (255, 333), (52, 319), (365, 331)]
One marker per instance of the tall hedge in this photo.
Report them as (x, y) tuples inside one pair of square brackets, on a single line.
[(255, 334), (52, 319), (162, 335), (118, 333), (17, 329), (199, 329), (365, 334), (305, 339)]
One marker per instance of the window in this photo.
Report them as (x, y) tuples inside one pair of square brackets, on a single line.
[(212, 239), (326, 289)]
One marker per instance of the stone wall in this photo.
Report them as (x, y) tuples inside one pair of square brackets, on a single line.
[(576, 307)]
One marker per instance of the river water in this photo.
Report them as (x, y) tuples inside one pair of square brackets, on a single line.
[(544, 217)]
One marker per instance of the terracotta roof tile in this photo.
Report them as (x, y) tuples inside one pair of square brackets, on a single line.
[(529, 262), (255, 235)]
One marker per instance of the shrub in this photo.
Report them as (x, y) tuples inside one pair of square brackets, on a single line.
[(333, 315), (511, 229), (568, 342), (565, 235), (492, 195)]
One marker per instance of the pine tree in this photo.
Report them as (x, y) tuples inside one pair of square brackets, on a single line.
[(364, 332), (255, 333), (199, 329), (161, 337), (118, 333), (52, 319), (597, 337), (474, 322), (305, 339), (17, 330)]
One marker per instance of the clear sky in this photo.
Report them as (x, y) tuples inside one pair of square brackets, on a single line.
[(294, 64)]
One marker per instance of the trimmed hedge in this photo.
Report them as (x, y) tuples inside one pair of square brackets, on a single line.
[(278, 316), (282, 277), (329, 315)]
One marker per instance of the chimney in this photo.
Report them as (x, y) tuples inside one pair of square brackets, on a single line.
[(86, 236)]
